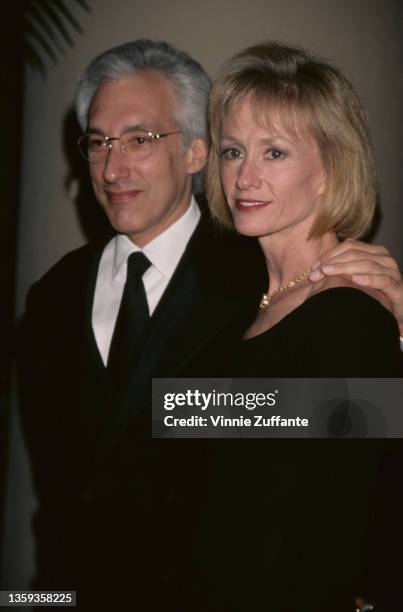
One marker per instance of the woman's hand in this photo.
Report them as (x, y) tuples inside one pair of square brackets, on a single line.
[(367, 265)]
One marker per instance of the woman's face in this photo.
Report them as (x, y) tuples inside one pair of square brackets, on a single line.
[(272, 179)]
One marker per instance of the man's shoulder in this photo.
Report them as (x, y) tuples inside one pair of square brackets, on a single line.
[(232, 262), (70, 271), (212, 236)]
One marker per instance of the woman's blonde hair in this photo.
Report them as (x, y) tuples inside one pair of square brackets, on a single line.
[(286, 82)]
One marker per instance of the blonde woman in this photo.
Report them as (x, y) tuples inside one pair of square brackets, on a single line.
[(291, 165)]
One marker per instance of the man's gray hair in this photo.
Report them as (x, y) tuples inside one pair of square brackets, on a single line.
[(189, 81)]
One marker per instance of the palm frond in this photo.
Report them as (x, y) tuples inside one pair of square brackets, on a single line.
[(48, 26), (39, 18), (39, 41), (60, 18)]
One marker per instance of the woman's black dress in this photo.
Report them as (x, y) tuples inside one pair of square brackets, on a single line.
[(311, 506)]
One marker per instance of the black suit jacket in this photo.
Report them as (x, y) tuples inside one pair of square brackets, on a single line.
[(108, 511)]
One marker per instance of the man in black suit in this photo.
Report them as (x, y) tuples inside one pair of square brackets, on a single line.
[(120, 516), (104, 488)]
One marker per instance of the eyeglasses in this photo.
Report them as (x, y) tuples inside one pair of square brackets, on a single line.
[(136, 144)]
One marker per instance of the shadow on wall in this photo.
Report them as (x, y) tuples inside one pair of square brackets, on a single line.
[(93, 221), (376, 222)]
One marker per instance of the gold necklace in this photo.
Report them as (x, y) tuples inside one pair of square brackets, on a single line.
[(267, 297)]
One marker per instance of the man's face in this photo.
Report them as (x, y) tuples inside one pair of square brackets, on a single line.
[(142, 197)]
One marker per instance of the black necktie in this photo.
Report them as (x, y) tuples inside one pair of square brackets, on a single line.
[(131, 323)]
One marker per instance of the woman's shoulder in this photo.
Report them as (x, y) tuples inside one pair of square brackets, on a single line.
[(346, 311), (349, 291), (345, 331)]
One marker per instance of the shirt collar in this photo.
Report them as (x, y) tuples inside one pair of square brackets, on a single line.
[(165, 251)]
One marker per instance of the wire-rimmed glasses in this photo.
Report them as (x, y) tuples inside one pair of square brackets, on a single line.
[(136, 144)]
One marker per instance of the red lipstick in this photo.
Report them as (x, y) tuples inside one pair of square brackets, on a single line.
[(250, 205)]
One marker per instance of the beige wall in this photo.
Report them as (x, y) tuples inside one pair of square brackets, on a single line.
[(360, 36)]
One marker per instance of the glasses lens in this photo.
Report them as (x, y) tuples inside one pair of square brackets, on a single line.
[(136, 144), (93, 147)]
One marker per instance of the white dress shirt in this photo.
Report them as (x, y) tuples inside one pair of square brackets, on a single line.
[(164, 253)]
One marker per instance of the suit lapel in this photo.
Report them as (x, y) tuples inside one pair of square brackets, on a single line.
[(205, 320), (96, 398), (94, 357)]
